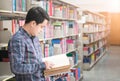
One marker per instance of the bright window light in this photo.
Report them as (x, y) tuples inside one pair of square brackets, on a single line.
[(114, 5)]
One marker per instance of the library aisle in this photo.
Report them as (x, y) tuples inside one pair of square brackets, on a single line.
[(107, 69)]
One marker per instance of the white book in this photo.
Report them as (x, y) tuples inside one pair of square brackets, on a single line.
[(6, 5), (57, 49), (6, 24)]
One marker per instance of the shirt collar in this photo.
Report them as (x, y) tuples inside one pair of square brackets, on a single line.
[(26, 33)]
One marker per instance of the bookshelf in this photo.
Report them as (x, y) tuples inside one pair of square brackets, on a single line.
[(62, 36), (3, 45), (94, 38)]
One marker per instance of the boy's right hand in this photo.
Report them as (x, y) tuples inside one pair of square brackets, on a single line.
[(49, 65)]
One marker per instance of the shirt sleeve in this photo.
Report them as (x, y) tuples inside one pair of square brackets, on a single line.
[(16, 49), (42, 66)]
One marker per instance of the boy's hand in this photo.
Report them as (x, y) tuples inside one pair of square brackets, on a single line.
[(49, 65)]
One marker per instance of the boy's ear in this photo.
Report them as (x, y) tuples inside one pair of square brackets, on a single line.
[(33, 23)]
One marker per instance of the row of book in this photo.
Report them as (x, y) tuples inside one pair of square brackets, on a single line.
[(11, 25), (58, 10), (94, 56), (59, 29), (89, 28), (88, 49), (55, 47), (92, 37), (54, 29), (19, 5), (74, 75), (13, 5), (94, 18), (58, 46)]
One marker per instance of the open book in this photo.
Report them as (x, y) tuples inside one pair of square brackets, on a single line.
[(61, 64)]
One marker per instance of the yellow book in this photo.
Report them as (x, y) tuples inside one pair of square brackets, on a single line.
[(92, 58)]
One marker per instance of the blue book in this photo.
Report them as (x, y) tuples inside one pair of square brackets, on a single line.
[(59, 79), (51, 50), (79, 74), (56, 41), (86, 59), (14, 5), (71, 24), (76, 57)]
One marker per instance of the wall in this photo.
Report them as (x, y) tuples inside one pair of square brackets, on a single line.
[(115, 29), (98, 5)]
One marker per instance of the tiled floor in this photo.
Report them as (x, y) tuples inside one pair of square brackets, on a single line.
[(107, 69)]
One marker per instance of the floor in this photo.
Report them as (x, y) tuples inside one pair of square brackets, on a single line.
[(107, 69)]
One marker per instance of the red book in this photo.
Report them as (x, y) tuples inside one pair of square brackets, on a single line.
[(5, 59), (46, 50), (68, 77), (50, 8), (76, 74), (13, 26)]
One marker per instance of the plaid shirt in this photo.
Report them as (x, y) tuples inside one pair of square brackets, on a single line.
[(26, 57)]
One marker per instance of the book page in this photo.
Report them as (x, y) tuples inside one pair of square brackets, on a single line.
[(58, 60)]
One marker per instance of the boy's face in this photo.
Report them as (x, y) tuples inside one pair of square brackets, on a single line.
[(38, 28)]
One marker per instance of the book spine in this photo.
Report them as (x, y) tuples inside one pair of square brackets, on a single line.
[(46, 50), (14, 5), (13, 26), (50, 8), (24, 5)]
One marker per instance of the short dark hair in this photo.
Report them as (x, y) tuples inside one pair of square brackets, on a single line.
[(36, 14)]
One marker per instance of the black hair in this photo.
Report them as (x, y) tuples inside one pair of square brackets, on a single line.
[(36, 14)]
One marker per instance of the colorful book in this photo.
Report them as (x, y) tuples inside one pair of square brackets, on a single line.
[(24, 5)]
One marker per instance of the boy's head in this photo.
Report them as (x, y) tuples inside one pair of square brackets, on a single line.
[(37, 18)]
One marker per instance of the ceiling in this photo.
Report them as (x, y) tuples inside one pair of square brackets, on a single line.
[(98, 5)]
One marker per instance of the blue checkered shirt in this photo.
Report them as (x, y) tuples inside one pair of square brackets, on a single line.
[(26, 57)]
